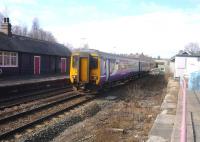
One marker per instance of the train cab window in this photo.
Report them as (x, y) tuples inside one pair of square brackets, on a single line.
[(94, 62), (75, 61)]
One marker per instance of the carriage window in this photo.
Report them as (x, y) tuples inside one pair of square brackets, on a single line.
[(75, 61), (94, 62)]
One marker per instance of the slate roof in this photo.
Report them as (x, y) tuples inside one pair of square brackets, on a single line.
[(187, 54), (28, 45)]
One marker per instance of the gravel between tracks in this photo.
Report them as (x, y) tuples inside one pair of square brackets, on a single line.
[(51, 128), (36, 115), (30, 105)]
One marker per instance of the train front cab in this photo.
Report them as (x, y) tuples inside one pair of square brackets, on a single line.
[(85, 70)]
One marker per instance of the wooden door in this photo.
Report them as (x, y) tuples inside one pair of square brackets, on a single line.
[(63, 65), (36, 65), (84, 69)]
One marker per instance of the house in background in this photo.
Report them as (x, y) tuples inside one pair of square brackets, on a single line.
[(185, 64)]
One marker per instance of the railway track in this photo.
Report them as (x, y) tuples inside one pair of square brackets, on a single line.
[(17, 100), (12, 124)]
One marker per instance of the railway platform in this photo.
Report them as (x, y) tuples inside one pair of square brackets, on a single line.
[(179, 120), (13, 81), (13, 85), (192, 115)]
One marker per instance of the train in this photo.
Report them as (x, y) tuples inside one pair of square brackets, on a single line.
[(93, 69)]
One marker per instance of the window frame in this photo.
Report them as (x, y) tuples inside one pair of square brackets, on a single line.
[(75, 60), (94, 62), (10, 56)]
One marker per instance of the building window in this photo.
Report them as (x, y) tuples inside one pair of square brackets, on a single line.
[(8, 59), (1, 58), (13, 59)]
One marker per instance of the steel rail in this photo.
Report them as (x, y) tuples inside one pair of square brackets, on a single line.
[(21, 128), (30, 97), (33, 110)]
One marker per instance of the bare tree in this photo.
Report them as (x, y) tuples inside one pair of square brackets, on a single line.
[(1, 18), (34, 33), (24, 31), (38, 33), (20, 30), (50, 37), (16, 30), (192, 48), (69, 46)]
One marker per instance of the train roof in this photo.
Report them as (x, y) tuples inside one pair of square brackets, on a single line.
[(16, 43), (104, 54), (110, 55)]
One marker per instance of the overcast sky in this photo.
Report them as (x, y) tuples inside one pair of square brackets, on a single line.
[(154, 27)]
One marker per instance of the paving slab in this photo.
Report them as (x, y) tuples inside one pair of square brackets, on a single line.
[(168, 105), (156, 139), (163, 126), (165, 119), (170, 98), (161, 130)]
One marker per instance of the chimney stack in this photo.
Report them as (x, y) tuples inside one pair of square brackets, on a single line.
[(6, 27)]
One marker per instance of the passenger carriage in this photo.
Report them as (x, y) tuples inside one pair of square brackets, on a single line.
[(95, 69)]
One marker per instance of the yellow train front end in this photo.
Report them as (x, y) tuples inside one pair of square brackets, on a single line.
[(85, 70)]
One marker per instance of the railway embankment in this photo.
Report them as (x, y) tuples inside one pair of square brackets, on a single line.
[(163, 126)]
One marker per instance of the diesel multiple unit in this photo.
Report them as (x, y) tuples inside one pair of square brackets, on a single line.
[(96, 69)]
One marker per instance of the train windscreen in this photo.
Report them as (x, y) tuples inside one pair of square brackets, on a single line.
[(75, 61), (94, 62)]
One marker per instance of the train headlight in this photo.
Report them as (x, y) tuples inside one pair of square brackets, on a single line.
[(94, 77), (73, 76)]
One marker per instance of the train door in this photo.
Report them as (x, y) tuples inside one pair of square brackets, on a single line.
[(36, 65), (84, 69), (107, 69)]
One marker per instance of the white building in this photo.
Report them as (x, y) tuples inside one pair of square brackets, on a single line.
[(172, 65), (162, 64), (186, 64)]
